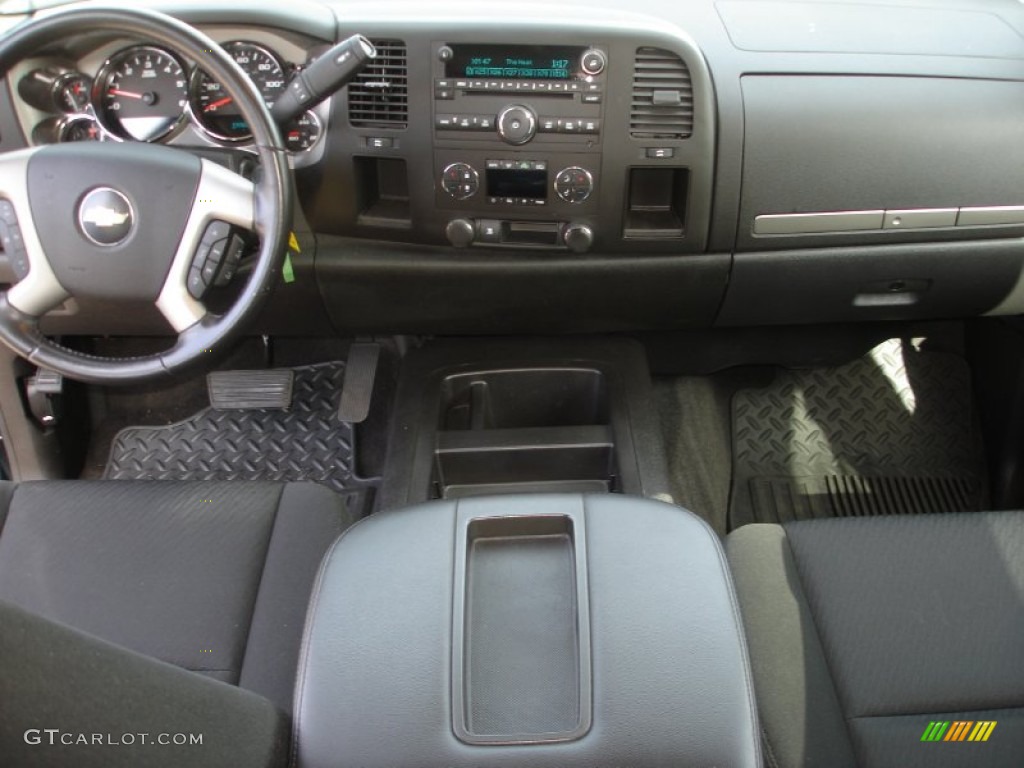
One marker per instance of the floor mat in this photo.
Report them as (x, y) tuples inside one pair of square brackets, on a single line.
[(893, 432), (306, 442)]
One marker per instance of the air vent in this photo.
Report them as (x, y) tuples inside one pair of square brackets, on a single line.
[(662, 96), (379, 97)]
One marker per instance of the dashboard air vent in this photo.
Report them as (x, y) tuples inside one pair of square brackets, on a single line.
[(379, 96), (662, 105)]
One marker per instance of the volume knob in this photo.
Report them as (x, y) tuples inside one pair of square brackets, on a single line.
[(460, 232), (516, 124)]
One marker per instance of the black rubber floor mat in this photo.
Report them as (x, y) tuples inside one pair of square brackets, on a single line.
[(891, 433), (306, 442)]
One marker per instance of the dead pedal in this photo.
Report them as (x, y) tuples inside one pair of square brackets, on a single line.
[(251, 390)]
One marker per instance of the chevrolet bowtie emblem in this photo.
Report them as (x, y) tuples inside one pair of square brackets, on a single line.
[(104, 217)]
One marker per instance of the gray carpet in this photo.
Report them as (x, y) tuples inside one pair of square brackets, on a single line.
[(694, 413)]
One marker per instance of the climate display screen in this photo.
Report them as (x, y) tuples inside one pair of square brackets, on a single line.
[(515, 62), (517, 183)]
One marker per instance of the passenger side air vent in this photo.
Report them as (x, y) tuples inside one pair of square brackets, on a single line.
[(662, 96), (378, 97)]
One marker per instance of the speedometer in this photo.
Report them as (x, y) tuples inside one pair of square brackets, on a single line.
[(142, 93), (217, 112)]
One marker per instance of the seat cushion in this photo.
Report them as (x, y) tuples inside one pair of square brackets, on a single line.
[(214, 577), (59, 679), (863, 631)]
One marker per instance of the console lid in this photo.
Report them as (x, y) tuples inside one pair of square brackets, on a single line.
[(534, 630)]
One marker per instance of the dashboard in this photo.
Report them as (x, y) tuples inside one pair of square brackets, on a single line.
[(584, 167)]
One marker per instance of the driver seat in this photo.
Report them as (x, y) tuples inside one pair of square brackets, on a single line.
[(213, 577)]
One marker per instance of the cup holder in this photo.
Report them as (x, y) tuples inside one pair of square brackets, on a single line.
[(531, 429)]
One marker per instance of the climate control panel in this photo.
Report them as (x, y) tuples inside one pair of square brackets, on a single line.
[(574, 185), (518, 182), (460, 180)]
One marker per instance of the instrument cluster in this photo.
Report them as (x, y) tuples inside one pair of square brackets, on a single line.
[(148, 93)]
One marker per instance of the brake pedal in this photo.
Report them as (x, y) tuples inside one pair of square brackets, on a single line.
[(250, 390)]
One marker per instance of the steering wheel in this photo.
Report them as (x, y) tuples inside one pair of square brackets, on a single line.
[(123, 222)]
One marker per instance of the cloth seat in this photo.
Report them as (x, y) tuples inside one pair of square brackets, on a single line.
[(214, 577), (867, 635)]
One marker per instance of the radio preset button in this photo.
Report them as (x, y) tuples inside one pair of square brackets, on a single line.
[(591, 98)]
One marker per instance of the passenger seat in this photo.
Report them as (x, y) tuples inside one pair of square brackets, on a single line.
[(895, 641)]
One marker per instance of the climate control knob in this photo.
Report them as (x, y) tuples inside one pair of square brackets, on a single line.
[(578, 238), (574, 184), (460, 180), (516, 124)]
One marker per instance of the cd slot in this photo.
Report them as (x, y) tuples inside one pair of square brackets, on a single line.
[(531, 233)]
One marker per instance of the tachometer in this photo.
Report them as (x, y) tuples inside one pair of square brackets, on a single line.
[(216, 111), (142, 92)]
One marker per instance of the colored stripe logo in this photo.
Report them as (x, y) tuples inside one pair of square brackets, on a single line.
[(959, 730)]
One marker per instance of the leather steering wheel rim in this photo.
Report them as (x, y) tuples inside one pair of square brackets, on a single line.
[(273, 195)]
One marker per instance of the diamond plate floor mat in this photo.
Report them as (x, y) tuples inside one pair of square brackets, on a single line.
[(893, 432), (306, 442)]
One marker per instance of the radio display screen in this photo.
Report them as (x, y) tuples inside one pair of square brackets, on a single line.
[(515, 62), (517, 183)]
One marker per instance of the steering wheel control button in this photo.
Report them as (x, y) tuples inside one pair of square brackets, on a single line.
[(105, 217), (213, 260), (460, 180), (208, 257), (11, 240), (593, 62), (196, 286), (232, 257), (574, 185), (517, 124)]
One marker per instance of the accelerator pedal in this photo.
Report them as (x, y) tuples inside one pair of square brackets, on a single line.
[(251, 390)]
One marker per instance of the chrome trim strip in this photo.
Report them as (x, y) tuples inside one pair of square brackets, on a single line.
[(814, 223)]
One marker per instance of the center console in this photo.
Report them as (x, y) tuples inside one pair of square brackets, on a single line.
[(534, 137), (526, 631), (485, 417), (491, 100)]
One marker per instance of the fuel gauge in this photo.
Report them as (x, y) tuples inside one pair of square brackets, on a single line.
[(73, 92)]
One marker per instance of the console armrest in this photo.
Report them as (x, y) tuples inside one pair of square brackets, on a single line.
[(532, 630)]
